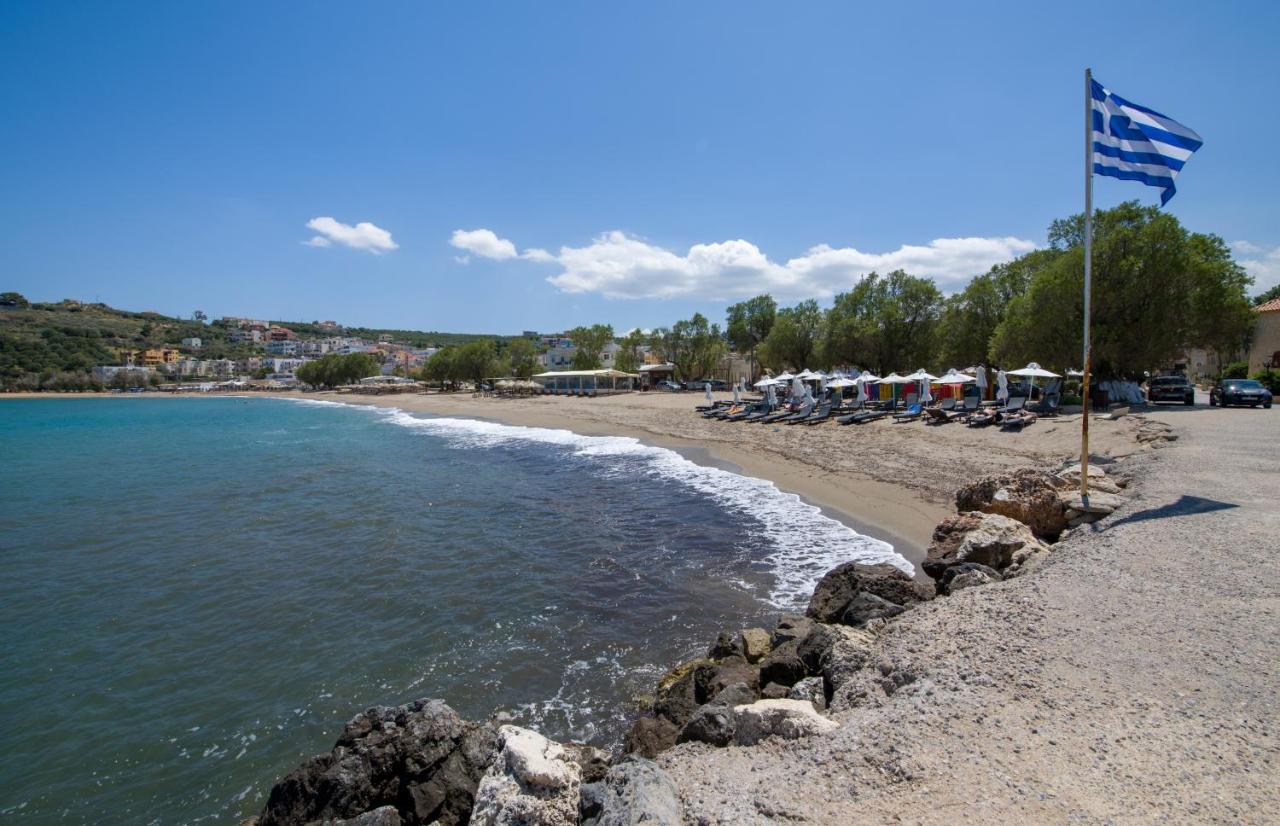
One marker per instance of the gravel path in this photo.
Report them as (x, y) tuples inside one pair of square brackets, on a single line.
[(1133, 678)]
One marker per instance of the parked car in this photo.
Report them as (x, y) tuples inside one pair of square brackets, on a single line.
[(701, 384), (668, 385), (1171, 389), (1240, 391)]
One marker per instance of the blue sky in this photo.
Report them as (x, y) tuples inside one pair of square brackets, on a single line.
[(625, 163)]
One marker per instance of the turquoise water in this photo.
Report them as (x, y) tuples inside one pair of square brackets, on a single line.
[(199, 592)]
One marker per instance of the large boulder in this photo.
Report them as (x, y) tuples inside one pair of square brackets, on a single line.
[(1027, 495), (650, 736), (709, 682), (713, 722), (966, 575), (637, 791), (421, 759), (811, 689), (532, 782), (783, 665), (989, 539), (853, 593), (726, 646), (676, 696), (788, 719), (847, 657), (790, 628), (755, 644)]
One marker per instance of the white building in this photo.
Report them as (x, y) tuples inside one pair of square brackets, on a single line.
[(281, 348), (192, 343)]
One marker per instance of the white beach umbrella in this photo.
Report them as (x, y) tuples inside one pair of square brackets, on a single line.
[(980, 378), (841, 382), (735, 394), (797, 388), (926, 395), (784, 376), (771, 393), (1002, 386), (895, 379), (766, 382), (864, 378), (1034, 371), (808, 394), (955, 378), (1073, 372), (708, 391)]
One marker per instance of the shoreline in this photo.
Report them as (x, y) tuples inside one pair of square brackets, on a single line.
[(880, 510)]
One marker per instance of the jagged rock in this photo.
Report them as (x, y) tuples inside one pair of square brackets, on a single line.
[(650, 736), (775, 691), (383, 816), (710, 682), (865, 589), (712, 723), (972, 573), (592, 762), (676, 695), (420, 758), (788, 719), (791, 628), (811, 689), (866, 606), (725, 646), (590, 801), (1099, 502), (636, 792), (1027, 495), (985, 538), (850, 650), (1084, 519), (783, 665), (532, 782), (755, 644)]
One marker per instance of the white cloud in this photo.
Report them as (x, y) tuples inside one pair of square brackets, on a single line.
[(618, 265), (1263, 265), (363, 236), (486, 244)]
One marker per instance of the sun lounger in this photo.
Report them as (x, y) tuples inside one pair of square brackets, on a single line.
[(912, 412), (821, 415), (936, 415), (1018, 420), (1047, 406), (804, 413), (778, 416), (863, 417)]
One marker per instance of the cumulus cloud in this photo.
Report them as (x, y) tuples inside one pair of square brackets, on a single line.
[(363, 236), (486, 244), (619, 265), (1262, 264)]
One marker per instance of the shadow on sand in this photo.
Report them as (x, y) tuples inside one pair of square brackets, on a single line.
[(1182, 506)]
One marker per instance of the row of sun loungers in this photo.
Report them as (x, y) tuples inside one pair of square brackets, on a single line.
[(1014, 415)]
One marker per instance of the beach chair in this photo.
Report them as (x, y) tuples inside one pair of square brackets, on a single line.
[(1046, 406), (913, 412), (779, 415), (803, 413), (864, 417), (820, 415), (936, 415)]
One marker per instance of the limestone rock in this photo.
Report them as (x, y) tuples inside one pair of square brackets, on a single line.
[(788, 719), (711, 724), (783, 665), (966, 575), (850, 650), (637, 791), (755, 644), (775, 691), (840, 588), (532, 782), (592, 762), (676, 695), (420, 758), (985, 538), (1027, 495), (382, 816), (810, 689), (709, 682), (791, 628), (725, 646), (1099, 502)]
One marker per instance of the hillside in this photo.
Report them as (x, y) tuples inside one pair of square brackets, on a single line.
[(56, 345)]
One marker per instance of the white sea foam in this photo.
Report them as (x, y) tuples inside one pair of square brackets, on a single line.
[(807, 543)]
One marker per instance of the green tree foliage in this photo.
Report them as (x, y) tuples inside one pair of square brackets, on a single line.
[(631, 355), (970, 317), (885, 323), (334, 370), (749, 323), (793, 339), (521, 358), (1157, 289), (588, 343), (12, 299), (695, 346), (1235, 370), (441, 368), (477, 361), (1269, 295)]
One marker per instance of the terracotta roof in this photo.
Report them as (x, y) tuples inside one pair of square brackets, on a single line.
[(1270, 307)]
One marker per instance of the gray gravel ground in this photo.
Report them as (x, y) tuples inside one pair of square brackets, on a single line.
[(1131, 678)]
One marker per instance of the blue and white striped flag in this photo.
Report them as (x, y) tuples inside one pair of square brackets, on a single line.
[(1134, 143)]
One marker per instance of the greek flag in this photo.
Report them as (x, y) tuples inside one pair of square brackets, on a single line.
[(1134, 143)]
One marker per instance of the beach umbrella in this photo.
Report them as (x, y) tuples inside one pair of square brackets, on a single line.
[(797, 388), (926, 395), (1002, 387), (955, 378), (766, 382), (1034, 371), (784, 376), (771, 393), (980, 378), (894, 379), (735, 394), (708, 391), (1074, 373)]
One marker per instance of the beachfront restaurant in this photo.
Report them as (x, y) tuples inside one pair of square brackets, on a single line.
[(586, 382)]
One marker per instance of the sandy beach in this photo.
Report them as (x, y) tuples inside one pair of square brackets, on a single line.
[(892, 481)]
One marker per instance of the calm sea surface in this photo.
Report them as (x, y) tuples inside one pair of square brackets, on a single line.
[(198, 593)]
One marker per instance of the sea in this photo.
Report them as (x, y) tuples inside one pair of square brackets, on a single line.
[(197, 593)]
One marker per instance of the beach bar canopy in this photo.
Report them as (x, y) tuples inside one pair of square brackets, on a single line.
[(594, 382)]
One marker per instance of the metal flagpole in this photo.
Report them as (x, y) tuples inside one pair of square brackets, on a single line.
[(1088, 273)]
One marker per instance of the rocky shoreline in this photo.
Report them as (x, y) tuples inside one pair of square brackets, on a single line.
[(421, 763)]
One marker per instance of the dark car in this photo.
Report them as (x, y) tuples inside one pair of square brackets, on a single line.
[(1171, 389), (1240, 391)]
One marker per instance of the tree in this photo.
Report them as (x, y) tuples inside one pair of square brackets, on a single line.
[(589, 343), (200, 316), (793, 339), (1261, 298), (631, 356), (694, 346), (521, 359), (442, 367), (476, 361), (1157, 289), (749, 323), (12, 299), (334, 369)]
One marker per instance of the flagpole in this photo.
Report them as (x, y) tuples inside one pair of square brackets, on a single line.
[(1088, 273)]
